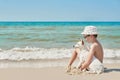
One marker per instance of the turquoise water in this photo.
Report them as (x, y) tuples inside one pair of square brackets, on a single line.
[(55, 34), (26, 43)]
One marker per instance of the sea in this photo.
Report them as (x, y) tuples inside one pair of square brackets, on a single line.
[(48, 44)]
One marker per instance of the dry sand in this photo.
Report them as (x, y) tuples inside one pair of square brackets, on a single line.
[(57, 73)]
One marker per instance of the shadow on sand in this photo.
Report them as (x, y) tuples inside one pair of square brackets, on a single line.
[(111, 70)]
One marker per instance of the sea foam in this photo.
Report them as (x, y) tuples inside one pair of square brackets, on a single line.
[(34, 53)]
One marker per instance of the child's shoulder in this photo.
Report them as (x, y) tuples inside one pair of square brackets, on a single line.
[(94, 45)]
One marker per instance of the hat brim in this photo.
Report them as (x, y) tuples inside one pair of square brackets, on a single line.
[(84, 33), (89, 33)]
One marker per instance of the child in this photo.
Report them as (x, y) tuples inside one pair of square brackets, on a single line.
[(95, 51)]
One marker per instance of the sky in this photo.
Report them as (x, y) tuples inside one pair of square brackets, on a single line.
[(59, 10)]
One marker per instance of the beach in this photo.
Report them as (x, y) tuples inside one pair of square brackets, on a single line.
[(41, 50), (38, 39), (112, 72)]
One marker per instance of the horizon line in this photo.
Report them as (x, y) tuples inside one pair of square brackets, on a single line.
[(57, 21)]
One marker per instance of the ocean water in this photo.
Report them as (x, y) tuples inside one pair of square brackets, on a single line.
[(53, 40)]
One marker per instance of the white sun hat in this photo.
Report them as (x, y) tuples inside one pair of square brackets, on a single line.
[(90, 30)]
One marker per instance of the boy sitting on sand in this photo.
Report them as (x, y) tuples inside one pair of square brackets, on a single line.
[(95, 53)]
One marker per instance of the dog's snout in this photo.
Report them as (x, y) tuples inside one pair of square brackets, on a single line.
[(73, 45)]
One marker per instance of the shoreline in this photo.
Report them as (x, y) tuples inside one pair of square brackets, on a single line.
[(45, 63), (112, 72)]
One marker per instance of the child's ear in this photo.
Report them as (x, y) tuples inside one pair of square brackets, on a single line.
[(82, 42)]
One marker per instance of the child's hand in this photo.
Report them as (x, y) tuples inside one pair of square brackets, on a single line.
[(68, 68)]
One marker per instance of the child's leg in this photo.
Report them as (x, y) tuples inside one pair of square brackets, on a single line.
[(73, 57)]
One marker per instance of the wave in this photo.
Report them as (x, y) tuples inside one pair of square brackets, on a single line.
[(34, 53)]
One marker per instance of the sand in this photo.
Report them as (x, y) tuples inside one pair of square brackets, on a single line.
[(57, 73)]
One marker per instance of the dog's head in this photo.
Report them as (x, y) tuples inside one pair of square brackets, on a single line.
[(79, 44)]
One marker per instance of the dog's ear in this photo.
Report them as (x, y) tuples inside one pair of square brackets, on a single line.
[(82, 42)]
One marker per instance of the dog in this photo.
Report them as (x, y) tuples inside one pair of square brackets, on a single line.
[(79, 44), (83, 52), (76, 70)]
